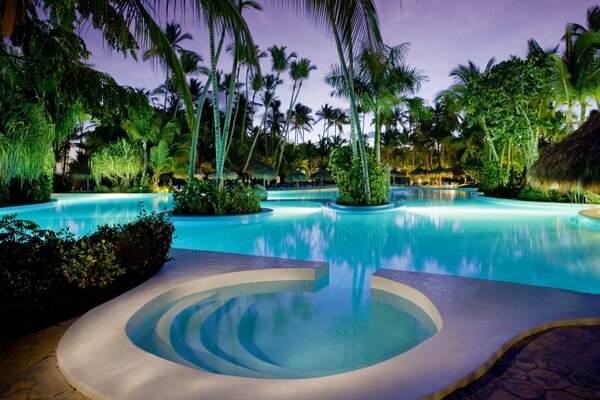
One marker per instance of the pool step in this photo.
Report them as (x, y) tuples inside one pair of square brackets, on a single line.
[(228, 325), (190, 328)]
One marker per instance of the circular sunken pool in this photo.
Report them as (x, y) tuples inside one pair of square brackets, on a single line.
[(286, 330)]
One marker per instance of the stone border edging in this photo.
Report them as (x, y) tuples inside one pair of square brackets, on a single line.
[(479, 321)]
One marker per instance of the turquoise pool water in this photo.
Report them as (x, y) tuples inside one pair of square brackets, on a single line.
[(281, 330), (453, 232)]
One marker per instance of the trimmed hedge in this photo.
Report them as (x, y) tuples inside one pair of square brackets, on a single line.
[(47, 276)]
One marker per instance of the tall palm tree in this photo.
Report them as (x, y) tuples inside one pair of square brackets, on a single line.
[(299, 72), (353, 23), (383, 81), (340, 119), (575, 75), (302, 120), (325, 114), (270, 83), (174, 35)]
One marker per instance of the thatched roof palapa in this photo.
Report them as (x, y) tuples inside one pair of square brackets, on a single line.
[(418, 172), (228, 175), (573, 164), (296, 176), (322, 174), (440, 172), (397, 174), (260, 170)]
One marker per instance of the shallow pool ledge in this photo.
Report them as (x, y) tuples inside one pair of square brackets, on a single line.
[(479, 321)]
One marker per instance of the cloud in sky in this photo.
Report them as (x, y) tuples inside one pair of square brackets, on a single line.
[(442, 35)]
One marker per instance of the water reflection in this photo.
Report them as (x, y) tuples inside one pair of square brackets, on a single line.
[(434, 233)]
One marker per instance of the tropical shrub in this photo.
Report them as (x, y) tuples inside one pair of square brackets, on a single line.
[(48, 276), (243, 199), (493, 176), (119, 163), (261, 192), (205, 198), (348, 175)]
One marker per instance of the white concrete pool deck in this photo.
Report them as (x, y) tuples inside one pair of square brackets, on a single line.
[(478, 321)]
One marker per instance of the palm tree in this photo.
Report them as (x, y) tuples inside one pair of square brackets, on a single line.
[(382, 82), (299, 72), (340, 118), (302, 120), (325, 114), (174, 34), (575, 75), (352, 23), (270, 83)]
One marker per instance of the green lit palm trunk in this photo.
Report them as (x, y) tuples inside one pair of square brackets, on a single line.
[(288, 119), (215, 85), (355, 123), (262, 126), (377, 138), (196, 129)]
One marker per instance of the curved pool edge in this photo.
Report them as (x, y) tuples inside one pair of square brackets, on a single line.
[(480, 318)]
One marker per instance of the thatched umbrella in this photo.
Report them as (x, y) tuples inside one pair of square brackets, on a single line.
[(396, 174), (458, 172), (573, 164), (322, 174), (260, 170), (296, 176), (418, 173), (83, 175), (440, 173), (228, 175)]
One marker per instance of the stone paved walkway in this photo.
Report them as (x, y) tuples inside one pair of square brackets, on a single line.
[(561, 363), (28, 367)]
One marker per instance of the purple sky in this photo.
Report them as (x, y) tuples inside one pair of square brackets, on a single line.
[(442, 34)]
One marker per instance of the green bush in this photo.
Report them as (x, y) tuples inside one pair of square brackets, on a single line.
[(204, 198), (348, 175), (243, 199), (48, 276), (529, 194), (101, 189), (27, 192), (493, 176), (261, 192)]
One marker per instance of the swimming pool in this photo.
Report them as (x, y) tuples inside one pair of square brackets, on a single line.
[(453, 232)]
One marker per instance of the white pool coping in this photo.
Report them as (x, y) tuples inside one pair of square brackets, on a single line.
[(478, 321)]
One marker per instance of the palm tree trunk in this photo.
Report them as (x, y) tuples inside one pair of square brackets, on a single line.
[(353, 112), (196, 129), (224, 135), (377, 139), (263, 123), (288, 119), (215, 85)]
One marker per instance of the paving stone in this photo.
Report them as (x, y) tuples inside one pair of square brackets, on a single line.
[(548, 380), (515, 373), (42, 381), (560, 395), (526, 364), (586, 378), (523, 389), (502, 394), (559, 368), (584, 392)]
